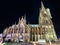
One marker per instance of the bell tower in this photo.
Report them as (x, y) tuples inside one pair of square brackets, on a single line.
[(46, 24)]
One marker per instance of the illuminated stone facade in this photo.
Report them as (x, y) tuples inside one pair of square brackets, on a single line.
[(45, 29), (33, 32), (18, 31)]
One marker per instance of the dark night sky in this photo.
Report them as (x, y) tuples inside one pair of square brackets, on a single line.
[(12, 10)]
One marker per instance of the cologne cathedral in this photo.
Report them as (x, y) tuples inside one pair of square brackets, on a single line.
[(32, 32)]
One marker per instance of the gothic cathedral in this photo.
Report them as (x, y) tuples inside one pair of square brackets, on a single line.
[(32, 32)]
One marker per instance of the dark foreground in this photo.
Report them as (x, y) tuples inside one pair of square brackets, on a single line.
[(19, 43), (30, 43)]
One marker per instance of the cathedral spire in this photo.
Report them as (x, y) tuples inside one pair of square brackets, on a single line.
[(22, 18), (19, 20), (25, 18), (42, 6), (15, 23), (15, 26)]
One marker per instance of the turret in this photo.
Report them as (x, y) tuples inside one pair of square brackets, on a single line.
[(42, 6), (19, 21), (25, 18)]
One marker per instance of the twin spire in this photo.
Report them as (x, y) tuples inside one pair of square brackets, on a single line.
[(23, 19)]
